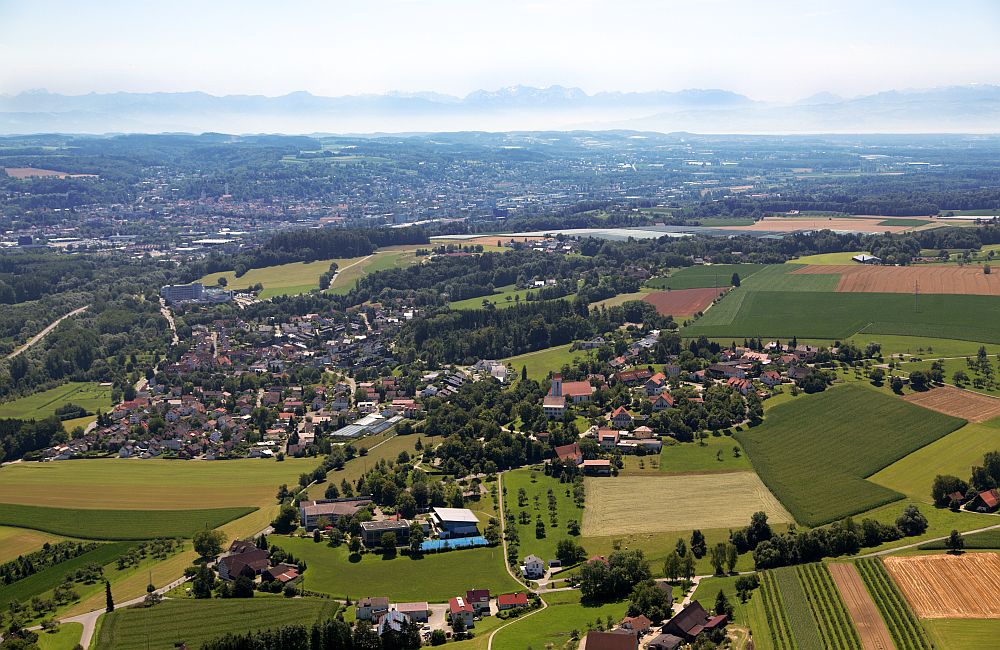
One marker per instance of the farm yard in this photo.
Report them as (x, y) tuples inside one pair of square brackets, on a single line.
[(957, 402), (806, 450), (676, 503), (196, 621), (872, 632), (683, 302), (949, 586)]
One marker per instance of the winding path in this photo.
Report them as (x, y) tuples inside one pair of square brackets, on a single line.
[(41, 335)]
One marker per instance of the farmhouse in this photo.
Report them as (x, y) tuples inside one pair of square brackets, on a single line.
[(662, 402), (283, 573), (607, 438), (611, 641), (621, 418), (570, 453), (458, 609), (665, 642), (371, 608), (692, 621), (985, 501), (455, 522), (596, 467), (511, 601), (636, 624), (249, 564)]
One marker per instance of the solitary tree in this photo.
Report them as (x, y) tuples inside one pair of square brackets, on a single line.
[(110, 606), (955, 542)]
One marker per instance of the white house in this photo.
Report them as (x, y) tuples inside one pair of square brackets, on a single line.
[(534, 567)]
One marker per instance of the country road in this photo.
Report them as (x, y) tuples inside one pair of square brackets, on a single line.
[(41, 335)]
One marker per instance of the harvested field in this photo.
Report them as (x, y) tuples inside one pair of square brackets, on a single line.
[(965, 404), (683, 302), (846, 224), (962, 280), (676, 503), (486, 240), (34, 172), (871, 628), (949, 586)]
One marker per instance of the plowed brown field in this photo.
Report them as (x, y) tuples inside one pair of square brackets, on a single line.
[(965, 404), (949, 586), (904, 279), (871, 628), (683, 302)]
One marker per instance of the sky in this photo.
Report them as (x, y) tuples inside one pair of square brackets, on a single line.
[(768, 50)]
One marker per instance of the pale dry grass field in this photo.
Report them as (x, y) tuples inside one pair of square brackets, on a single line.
[(949, 586), (625, 505)]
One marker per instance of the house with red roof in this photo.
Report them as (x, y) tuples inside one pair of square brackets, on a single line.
[(655, 384), (662, 402), (479, 599), (621, 418), (570, 453), (740, 384), (770, 378), (985, 501), (458, 608), (511, 601)]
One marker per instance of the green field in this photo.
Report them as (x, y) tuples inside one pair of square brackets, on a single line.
[(90, 396), (782, 277), (988, 539), (552, 627), (117, 524), (828, 258), (770, 614), (542, 362), (48, 578), (951, 366), (815, 452), (964, 633), (620, 299), (785, 314), (354, 468), (499, 297), (908, 223), (132, 484), (953, 454), (195, 621), (386, 258), (281, 280), (435, 577), (803, 626), (65, 637), (904, 628), (704, 276), (566, 510), (828, 610), (681, 457), (922, 346)]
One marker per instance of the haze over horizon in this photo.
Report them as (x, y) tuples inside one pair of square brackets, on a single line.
[(781, 52)]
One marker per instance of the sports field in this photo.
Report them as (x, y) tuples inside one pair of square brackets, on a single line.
[(949, 586), (89, 395), (542, 362), (195, 621), (675, 503), (18, 541), (434, 577), (704, 276), (682, 302), (809, 449), (952, 454), (117, 524), (149, 484), (281, 280), (949, 400)]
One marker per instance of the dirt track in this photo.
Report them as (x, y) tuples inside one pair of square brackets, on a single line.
[(949, 586), (964, 280), (871, 628), (965, 404), (682, 302)]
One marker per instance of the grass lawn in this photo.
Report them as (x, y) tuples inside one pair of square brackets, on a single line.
[(922, 346), (48, 578), (964, 633), (117, 524), (828, 258), (788, 313), (536, 486), (810, 449), (951, 366), (709, 588), (953, 454), (131, 484), (553, 626), (281, 280), (196, 621), (89, 395), (435, 577), (65, 637), (704, 276), (18, 541), (542, 362), (685, 457)]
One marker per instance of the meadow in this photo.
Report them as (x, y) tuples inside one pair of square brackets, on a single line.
[(988, 539), (542, 362), (387, 449), (48, 578), (434, 577), (536, 504), (386, 258), (952, 454), (65, 637), (89, 395), (828, 258), (195, 621), (281, 280), (807, 450), (502, 297), (553, 626), (117, 524), (685, 457), (785, 314), (964, 633), (18, 541), (153, 484), (704, 276)]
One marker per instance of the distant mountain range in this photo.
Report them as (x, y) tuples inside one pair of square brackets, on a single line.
[(938, 110)]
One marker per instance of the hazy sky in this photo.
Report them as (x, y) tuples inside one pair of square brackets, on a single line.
[(780, 50)]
